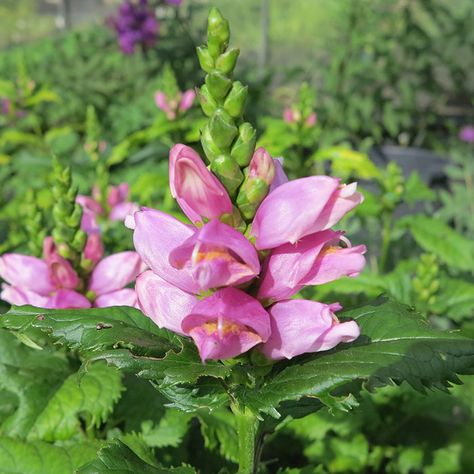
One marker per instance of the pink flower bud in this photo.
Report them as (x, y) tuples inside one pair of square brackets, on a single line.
[(288, 115), (262, 166), (187, 100), (61, 273), (94, 250), (311, 119), (199, 193)]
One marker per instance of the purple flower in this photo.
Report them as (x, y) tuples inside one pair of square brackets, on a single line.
[(136, 25), (466, 134)]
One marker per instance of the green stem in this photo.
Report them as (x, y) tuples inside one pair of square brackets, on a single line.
[(247, 430), (386, 234)]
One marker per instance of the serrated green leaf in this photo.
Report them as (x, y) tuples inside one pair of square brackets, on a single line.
[(395, 345), (19, 457), (90, 396), (169, 431), (434, 236), (118, 458)]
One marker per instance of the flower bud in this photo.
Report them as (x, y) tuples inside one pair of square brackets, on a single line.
[(187, 100), (218, 33), (79, 241), (209, 146), (244, 146), (260, 175), (222, 128), (235, 102), (208, 104), (218, 84), (228, 172), (226, 62), (205, 59)]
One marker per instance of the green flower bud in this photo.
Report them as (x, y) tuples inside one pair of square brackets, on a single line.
[(218, 33), (235, 102), (222, 128), (208, 104), (218, 84), (79, 241), (226, 62), (205, 59), (234, 220), (210, 148), (251, 194), (244, 146), (228, 172)]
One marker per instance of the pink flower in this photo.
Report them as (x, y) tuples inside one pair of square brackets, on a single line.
[(300, 326), (198, 192), (117, 201), (51, 282), (288, 115), (466, 134), (314, 260), (280, 175), (311, 119), (227, 324), (179, 104), (302, 207)]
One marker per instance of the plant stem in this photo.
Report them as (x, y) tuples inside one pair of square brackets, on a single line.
[(247, 429)]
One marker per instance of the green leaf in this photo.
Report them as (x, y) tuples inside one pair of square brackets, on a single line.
[(395, 345), (417, 190), (169, 431), (218, 431), (123, 337), (118, 458), (436, 237), (90, 396), (19, 457), (455, 298)]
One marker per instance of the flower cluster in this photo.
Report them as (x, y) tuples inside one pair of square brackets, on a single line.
[(174, 106), (118, 207), (51, 282), (136, 25), (292, 115), (229, 285)]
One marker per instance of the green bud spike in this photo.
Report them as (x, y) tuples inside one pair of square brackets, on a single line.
[(34, 225), (206, 61), (79, 241), (226, 62), (208, 104), (218, 33), (234, 103), (222, 129), (218, 84), (244, 146), (209, 146), (228, 172)]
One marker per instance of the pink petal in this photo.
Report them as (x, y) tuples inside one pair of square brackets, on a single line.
[(25, 272), (115, 272), (187, 100), (227, 324), (291, 210), (288, 115), (156, 235), (124, 297), (217, 255), (118, 194), (288, 265), (280, 175), (335, 263), (67, 299), (311, 119), (89, 204), (198, 192), (300, 326), (164, 303), (94, 250), (161, 101), (21, 296), (120, 211), (262, 166)]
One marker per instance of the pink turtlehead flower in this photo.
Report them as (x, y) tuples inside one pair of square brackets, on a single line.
[(185, 261), (466, 134), (198, 192), (314, 260), (51, 282), (117, 201), (300, 326), (192, 259), (173, 107), (226, 324), (302, 207), (291, 116)]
